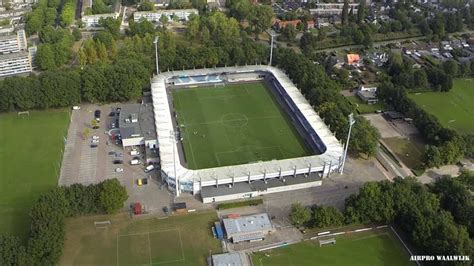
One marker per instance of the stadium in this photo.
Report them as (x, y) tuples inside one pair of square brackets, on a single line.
[(239, 132)]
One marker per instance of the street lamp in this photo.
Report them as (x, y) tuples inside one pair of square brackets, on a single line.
[(351, 123), (156, 54)]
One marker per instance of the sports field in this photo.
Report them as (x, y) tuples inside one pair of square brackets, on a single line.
[(178, 240), (366, 248), (235, 124), (454, 108), (30, 157)]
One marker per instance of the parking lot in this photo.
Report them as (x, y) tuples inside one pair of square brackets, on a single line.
[(94, 155)]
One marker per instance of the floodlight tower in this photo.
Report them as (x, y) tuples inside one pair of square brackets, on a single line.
[(174, 143), (351, 123), (156, 54), (271, 48)]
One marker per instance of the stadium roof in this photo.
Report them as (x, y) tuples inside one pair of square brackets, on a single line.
[(252, 171)]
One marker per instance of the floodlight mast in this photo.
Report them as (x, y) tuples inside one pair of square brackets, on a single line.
[(176, 181), (156, 54), (351, 123), (271, 49)]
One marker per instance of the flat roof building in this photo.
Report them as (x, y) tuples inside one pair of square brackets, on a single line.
[(137, 125), (230, 259), (248, 228), (13, 43), (15, 63), (92, 21), (368, 94), (154, 16)]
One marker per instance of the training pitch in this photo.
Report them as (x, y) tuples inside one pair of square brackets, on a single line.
[(30, 156), (453, 108), (177, 240), (234, 124), (379, 247)]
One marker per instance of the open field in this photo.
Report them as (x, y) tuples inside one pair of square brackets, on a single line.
[(235, 124), (379, 247), (410, 151), (177, 240), (454, 108), (364, 108), (30, 156)]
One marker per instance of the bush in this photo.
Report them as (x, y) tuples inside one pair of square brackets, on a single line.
[(112, 195), (230, 205), (299, 215), (327, 216)]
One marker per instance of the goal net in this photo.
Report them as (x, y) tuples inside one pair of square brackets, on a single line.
[(219, 85), (327, 241), (102, 224), (24, 113)]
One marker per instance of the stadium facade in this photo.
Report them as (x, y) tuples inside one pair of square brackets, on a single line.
[(255, 178)]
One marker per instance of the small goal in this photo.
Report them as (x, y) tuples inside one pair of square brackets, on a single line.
[(327, 241), (217, 85), (24, 113), (102, 224)]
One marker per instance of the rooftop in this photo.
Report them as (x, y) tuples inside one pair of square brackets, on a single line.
[(136, 120), (247, 224), (14, 55), (230, 259)]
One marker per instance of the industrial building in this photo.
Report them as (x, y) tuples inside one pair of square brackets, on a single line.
[(231, 259), (154, 16), (248, 228)]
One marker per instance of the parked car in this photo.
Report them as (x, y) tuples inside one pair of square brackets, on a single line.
[(95, 141), (118, 170), (134, 162), (134, 152), (75, 107), (149, 168), (118, 162), (112, 114), (95, 137), (111, 153)]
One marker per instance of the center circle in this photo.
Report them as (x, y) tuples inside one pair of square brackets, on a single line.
[(235, 120)]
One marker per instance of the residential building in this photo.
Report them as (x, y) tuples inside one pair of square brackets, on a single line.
[(13, 43), (154, 16), (368, 94), (92, 21), (331, 9), (248, 228), (15, 63), (14, 13), (6, 30)]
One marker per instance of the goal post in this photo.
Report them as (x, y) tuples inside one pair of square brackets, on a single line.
[(23, 113), (102, 224), (327, 241), (217, 85)]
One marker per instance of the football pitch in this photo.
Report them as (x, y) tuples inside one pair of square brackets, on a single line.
[(30, 159), (234, 124), (177, 240), (454, 108), (378, 247)]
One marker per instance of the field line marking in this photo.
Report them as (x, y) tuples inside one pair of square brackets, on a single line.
[(149, 248), (117, 241), (233, 120), (192, 151), (399, 238), (181, 244), (167, 261), (149, 232)]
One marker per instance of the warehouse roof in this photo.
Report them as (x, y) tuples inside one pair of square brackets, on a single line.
[(137, 120), (247, 224)]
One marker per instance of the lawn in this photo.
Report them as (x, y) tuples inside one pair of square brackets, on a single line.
[(410, 151), (235, 124), (454, 108), (177, 240), (367, 248), (364, 108), (30, 156)]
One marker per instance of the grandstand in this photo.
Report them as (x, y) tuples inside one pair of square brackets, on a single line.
[(249, 179)]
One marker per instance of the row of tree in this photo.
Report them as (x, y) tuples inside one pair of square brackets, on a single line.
[(323, 93), (44, 14), (46, 240), (438, 221)]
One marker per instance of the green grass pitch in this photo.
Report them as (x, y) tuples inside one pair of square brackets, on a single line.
[(366, 248), (177, 240), (234, 124), (30, 154), (454, 108)]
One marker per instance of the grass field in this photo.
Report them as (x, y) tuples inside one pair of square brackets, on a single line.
[(367, 248), (232, 125), (30, 154), (409, 151), (178, 240), (364, 108), (454, 108)]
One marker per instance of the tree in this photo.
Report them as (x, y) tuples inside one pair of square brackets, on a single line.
[(364, 137), (12, 252), (86, 132), (146, 6), (327, 216), (299, 214), (361, 12), (420, 78), (261, 18), (164, 19), (76, 33), (45, 57), (345, 13), (451, 67), (111, 25), (112, 196)]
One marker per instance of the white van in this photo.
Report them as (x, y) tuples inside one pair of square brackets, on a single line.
[(149, 168), (134, 162), (134, 152)]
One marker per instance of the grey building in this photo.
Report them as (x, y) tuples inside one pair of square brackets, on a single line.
[(248, 228), (230, 259), (13, 43), (15, 63)]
